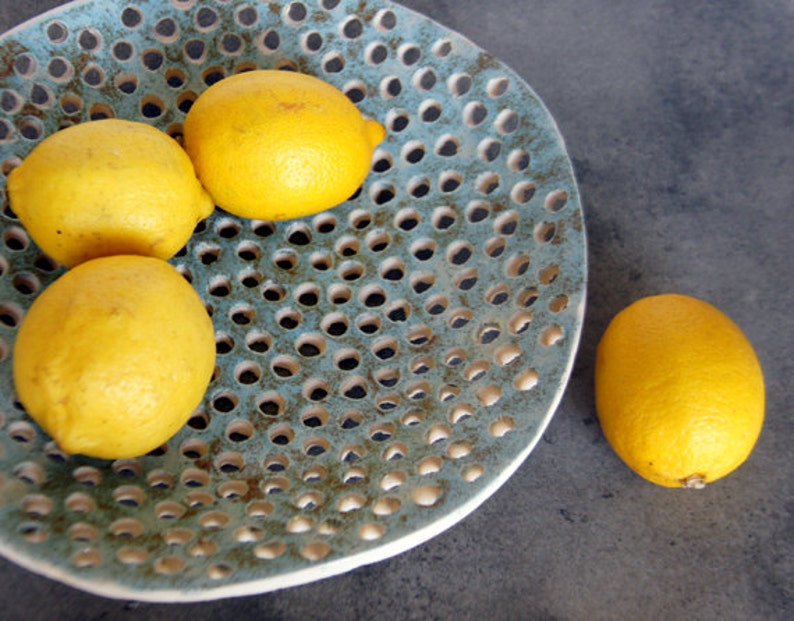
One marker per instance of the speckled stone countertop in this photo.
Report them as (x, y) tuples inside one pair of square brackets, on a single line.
[(678, 118)]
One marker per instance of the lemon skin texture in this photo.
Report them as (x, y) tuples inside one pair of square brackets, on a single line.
[(114, 356), (108, 187), (277, 145), (679, 390)]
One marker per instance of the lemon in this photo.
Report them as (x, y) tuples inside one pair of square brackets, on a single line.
[(108, 187), (114, 356), (274, 145), (679, 390)]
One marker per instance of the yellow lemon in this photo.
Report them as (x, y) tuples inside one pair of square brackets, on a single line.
[(114, 356), (679, 390), (275, 145), (108, 187)]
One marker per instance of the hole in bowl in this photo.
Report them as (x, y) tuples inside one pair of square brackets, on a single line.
[(285, 367)]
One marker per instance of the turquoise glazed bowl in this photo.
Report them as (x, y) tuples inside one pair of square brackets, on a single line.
[(383, 367)]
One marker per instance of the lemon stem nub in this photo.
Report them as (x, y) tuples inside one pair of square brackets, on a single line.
[(375, 132), (694, 481)]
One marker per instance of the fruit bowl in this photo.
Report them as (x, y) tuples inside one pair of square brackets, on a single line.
[(383, 367)]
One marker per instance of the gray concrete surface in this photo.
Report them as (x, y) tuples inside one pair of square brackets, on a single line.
[(679, 118)]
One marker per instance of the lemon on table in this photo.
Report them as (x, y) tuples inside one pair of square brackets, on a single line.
[(114, 356), (679, 390), (108, 187), (274, 145)]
